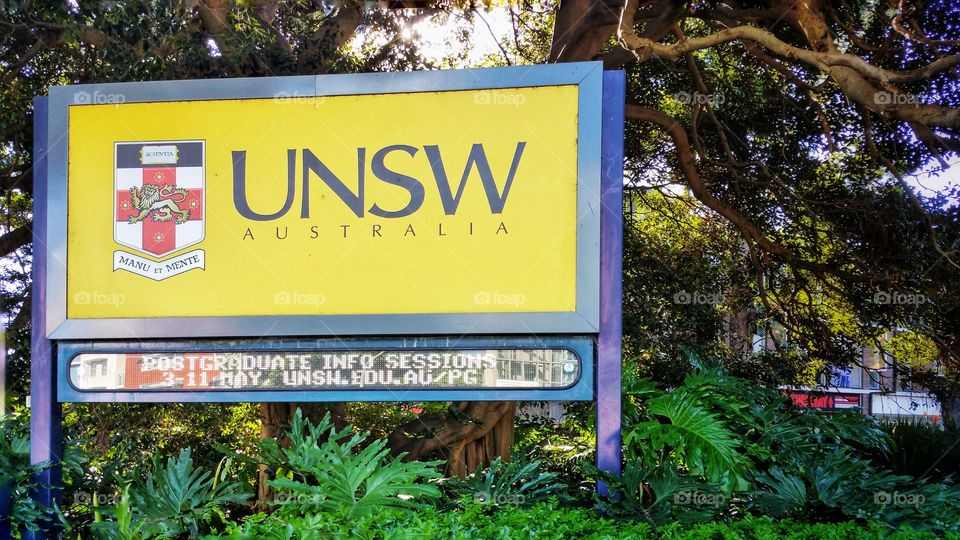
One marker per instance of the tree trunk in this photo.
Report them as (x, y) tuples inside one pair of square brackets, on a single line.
[(950, 411), (948, 389), (471, 435)]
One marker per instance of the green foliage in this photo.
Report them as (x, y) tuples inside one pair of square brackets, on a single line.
[(476, 521), (716, 445), (175, 499), (923, 450), (344, 473), (671, 253), (559, 446), (17, 473), (658, 495), (698, 438), (787, 529), (519, 482), (549, 521), (128, 525), (913, 349), (121, 441), (841, 486), (675, 427)]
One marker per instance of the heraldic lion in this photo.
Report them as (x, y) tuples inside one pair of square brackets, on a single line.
[(160, 201)]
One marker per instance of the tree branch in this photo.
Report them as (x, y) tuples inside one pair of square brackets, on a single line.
[(881, 101), (15, 239), (689, 169)]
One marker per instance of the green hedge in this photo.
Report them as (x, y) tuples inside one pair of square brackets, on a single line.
[(545, 521)]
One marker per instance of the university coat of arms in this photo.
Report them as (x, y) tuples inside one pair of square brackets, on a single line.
[(159, 207)]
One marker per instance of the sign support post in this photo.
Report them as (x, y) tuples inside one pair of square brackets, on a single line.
[(609, 339), (45, 412)]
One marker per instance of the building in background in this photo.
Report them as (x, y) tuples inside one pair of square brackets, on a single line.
[(873, 387)]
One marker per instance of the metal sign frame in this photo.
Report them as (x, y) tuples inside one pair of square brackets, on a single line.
[(601, 320), (587, 76)]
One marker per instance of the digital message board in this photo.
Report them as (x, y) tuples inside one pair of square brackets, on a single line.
[(328, 370), (407, 203)]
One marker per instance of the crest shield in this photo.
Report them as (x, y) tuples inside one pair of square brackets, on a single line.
[(159, 203)]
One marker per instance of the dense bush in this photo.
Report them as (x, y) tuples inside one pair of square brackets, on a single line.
[(121, 442), (718, 446), (546, 521), (923, 450), (18, 475), (714, 449), (176, 499), (518, 483)]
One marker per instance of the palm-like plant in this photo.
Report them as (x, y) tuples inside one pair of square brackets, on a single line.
[(175, 499), (345, 473), (518, 482), (677, 427)]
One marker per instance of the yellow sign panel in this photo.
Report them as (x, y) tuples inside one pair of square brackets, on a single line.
[(435, 202)]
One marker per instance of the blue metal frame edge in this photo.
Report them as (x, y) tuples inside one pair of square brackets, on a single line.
[(45, 413), (585, 320), (610, 339)]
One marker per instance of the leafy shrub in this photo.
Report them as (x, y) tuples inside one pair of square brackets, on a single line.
[(175, 499), (519, 482), (787, 529), (344, 473), (717, 440), (17, 474), (698, 438), (127, 525), (547, 521), (561, 445), (122, 440), (923, 450), (476, 521), (658, 495)]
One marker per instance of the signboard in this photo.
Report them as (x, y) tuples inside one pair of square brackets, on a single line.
[(405, 203), (432, 236)]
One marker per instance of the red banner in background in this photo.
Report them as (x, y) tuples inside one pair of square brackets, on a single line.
[(826, 402)]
